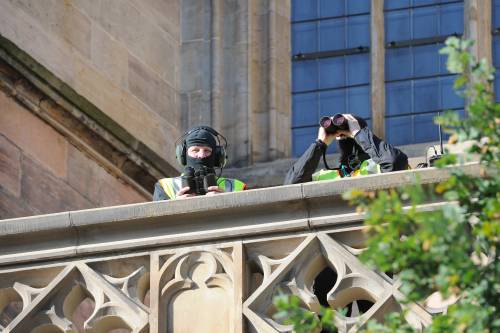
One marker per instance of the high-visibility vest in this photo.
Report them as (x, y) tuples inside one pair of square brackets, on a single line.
[(367, 167), (172, 185)]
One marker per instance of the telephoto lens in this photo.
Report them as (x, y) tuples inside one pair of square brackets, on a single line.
[(341, 122), (334, 124), (326, 123), (199, 175), (209, 180), (187, 179)]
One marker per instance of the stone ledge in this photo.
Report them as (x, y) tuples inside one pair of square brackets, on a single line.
[(276, 210), (273, 173)]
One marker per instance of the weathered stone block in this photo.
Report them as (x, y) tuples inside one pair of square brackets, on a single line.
[(109, 56), (96, 184), (33, 136), (12, 207), (62, 19), (47, 193), (194, 68), (165, 13), (10, 167), (153, 91), (126, 110), (199, 108), (143, 38), (114, 192), (195, 22), (30, 36)]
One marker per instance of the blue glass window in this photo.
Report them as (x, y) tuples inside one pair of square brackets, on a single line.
[(426, 95), (398, 98), (305, 74), (452, 19), (496, 46), (304, 10), (358, 69), (418, 86), (304, 37), (399, 130), (332, 34), (358, 30), (496, 13), (449, 97), (331, 102), (306, 106), (424, 128), (358, 101), (397, 26), (396, 4), (357, 7), (332, 72), (496, 51), (426, 60), (425, 22), (302, 139), (325, 83), (329, 8), (398, 64)]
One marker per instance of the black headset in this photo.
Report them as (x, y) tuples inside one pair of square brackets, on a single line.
[(220, 156)]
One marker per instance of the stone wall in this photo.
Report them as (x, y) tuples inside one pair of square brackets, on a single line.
[(156, 68), (153, 267), (41, 172), (120, 55)]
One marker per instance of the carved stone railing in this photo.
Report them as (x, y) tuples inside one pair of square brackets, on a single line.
[(207, 264)]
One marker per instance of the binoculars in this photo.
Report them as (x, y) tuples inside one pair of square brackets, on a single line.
[(333, 124), (198, 181)]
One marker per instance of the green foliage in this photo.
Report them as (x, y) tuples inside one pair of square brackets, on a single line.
[(292, 313), (394, 323), (454, 249)]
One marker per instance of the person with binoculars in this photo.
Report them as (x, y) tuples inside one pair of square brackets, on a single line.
[(200, 151), (359, 150)]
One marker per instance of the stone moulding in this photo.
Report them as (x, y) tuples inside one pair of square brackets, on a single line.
[(283, 209), (79, 121), (210, 264)]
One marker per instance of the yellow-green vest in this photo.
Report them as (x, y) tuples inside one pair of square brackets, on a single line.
[(172, 185), (367, 167)]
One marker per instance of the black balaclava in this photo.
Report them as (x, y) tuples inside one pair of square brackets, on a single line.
[(201, 137)]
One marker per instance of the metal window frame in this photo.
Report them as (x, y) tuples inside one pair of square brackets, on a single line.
[(423, 6)]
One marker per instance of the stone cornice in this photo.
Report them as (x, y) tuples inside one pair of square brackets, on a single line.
[(277, 210), (81, 122)]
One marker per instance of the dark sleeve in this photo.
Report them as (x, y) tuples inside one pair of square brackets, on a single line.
[(159, 194), (346, 147), (305, 166), (384, 154)]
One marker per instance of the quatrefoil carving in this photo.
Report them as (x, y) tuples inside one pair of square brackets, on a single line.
[(355, 285)]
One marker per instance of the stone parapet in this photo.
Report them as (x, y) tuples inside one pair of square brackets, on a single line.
[(151, 267)]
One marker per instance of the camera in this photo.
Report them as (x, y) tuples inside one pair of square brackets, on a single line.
[(334, 124), (198, 181)]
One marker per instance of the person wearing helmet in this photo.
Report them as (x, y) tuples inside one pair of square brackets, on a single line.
[(200, 152)]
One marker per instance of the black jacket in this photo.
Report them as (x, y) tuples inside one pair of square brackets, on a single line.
[(353, 151)]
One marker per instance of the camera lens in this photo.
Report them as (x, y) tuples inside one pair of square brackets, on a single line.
[(325, 122)]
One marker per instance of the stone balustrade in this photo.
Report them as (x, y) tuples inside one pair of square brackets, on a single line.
[(205, 264)]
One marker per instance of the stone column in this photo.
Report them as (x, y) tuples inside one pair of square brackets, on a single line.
[(269, 79), (235, 74), (477, 26), (377, 68), (195, 62)]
